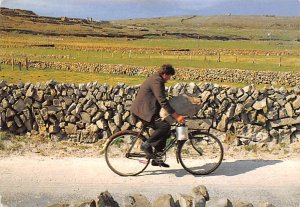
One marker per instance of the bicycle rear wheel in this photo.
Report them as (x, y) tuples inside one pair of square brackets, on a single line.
[(123, 154), (201, 154)]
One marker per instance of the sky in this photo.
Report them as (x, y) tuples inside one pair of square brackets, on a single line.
[(127, 9)]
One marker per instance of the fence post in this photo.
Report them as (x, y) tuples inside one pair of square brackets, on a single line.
[(280, 61), (20, 65), (219, 57), (26, 63), (12, 63), (236, 59)]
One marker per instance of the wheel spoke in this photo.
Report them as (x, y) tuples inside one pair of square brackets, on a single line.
[(123, 154), (201, 154)]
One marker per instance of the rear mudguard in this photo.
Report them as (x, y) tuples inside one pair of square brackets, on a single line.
[(179, 145)]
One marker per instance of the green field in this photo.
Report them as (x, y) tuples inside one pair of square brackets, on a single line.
[(155, 52), (260, 43)]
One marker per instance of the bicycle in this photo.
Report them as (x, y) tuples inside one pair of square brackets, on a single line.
[(198, 152)]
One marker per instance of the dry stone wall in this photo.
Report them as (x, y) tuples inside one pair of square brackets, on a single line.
[(93, 111), (207, 74)]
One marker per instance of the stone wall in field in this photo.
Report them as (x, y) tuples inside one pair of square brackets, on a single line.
[(197, 74), (93, 111)]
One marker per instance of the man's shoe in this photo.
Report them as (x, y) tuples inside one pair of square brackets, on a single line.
[(159, 163), (146, 147)]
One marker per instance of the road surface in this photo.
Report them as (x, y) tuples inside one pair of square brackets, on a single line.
[(41, 181)]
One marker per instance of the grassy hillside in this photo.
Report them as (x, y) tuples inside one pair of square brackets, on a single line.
[(197, 27)]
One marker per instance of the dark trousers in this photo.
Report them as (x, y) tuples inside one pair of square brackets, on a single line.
[(159, 137)]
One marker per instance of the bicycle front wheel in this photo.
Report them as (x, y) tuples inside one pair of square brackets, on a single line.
[(201, 154), (123, 154)]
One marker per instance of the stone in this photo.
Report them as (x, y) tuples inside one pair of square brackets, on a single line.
[(222, 202), (272, 113), (72, 107), (18, 121), (53, 129), (289, 109), (248, 89), (230, 111), (243, 98), (296, 103), (283, 113), (19, 105), (10, 113), (201, 190), (221, 96), (5, 103), (252, 116), (57, 137), (70, 118), (258, 105), (238, 109), (191, 88), (112, 126), (132, 120), (59, 205), (56, 102), (71, 129), (93, 128), (252, 132), (39, 95), (284, 135), (199, 201), (108, 114), (249, 102), (205, 95), (78, 108), (52, 110), (202, 124), (222, 125), (30, 92), (106, 200), (92, 110), (264, 204), (295, 137), (137, 200), (183, 200), (164, 201), (261, 119), (242, 204), (118, 120), (262, 136), (85, 117), (285, 122), (102, 124)]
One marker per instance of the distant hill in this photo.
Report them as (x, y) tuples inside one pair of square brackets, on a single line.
[(228, 27)]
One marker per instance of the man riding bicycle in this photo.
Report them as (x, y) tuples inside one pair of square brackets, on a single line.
[(150, 99)]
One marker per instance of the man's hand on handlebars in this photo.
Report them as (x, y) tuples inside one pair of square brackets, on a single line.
[(180, 119)]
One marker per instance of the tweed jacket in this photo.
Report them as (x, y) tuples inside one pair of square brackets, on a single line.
[(151, 98)]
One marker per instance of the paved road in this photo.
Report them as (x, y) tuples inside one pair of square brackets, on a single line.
[(40, 181)]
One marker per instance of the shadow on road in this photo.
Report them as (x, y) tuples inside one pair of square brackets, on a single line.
[(226, 168)]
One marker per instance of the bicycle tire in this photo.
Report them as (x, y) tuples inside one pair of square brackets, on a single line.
[(201, 154), (120, 160)]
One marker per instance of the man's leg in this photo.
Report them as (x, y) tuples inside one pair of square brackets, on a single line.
[(158, 140), (159, 137)]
